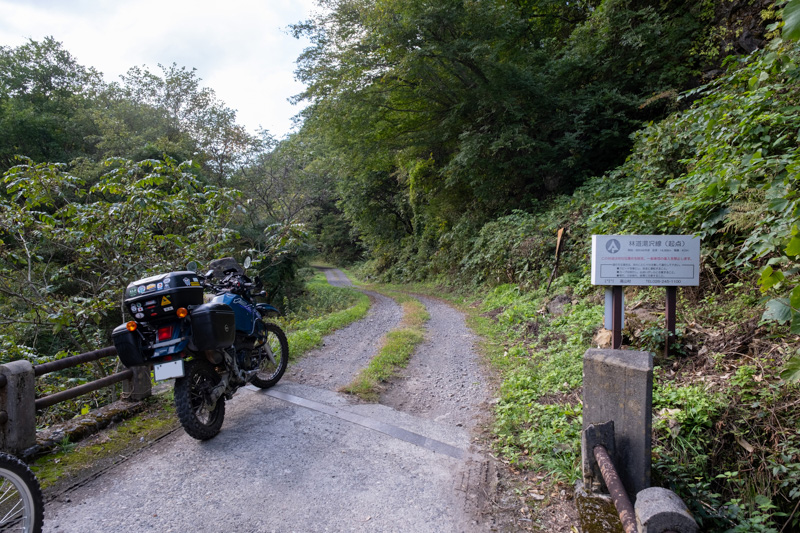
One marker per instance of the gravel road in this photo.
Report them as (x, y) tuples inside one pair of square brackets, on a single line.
[(304, 457)]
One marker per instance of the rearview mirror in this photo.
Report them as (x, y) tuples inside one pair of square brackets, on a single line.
[(192, 266), (247, 262)]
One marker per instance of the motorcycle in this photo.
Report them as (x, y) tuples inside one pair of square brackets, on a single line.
[(211, 348)]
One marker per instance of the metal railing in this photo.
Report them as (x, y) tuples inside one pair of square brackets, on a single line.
[(622, 503), (19, 404), (71, 362)]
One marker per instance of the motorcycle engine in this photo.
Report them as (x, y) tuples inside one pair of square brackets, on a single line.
[(247, 359)]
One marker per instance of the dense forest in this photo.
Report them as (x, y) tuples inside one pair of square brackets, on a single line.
[(447, 142)]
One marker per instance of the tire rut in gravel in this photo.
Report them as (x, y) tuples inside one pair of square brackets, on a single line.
[(347, 351), (443, 380)]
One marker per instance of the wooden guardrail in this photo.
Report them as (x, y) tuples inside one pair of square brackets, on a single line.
[(18, 402)]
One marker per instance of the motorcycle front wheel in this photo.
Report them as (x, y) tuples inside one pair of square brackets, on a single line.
[(270, 373), (21, 504), (199, 418)]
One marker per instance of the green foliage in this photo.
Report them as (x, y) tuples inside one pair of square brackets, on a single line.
[(45, 103), (791, 17), (509, 250), (93, 197), (70, 247), (791, 372), (538, 417), (726, 170), (435, 118), (692, 407)]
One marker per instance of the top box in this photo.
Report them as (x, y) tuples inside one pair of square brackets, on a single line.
[(160, 296)]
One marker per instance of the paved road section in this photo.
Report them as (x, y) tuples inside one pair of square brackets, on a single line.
[(298, 457), (277, 466)]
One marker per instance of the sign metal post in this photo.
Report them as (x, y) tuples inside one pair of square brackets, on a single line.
[(616, 319)]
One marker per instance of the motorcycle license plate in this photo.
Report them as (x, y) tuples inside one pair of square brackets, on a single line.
[(173, 369)]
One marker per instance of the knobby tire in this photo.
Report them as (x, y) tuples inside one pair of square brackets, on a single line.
[(273, 374), (190, 393), (21, 503)]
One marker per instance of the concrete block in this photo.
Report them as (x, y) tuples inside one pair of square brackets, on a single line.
[(618, 387), (659, 510), (596, 512), (17, 399)]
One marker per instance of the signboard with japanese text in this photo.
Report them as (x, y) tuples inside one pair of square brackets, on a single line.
[(658, 260)]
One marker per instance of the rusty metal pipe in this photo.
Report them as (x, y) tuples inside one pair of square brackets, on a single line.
[(73, 360), (47, 401), (615, 488)]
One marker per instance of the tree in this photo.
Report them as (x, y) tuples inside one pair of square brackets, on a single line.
[(69, 247), (432, 113), (181, 119), (45, 102)]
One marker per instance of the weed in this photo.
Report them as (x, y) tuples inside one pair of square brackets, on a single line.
[(65, 445), (538, 416)]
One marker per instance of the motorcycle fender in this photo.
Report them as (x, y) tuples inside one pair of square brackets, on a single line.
[(268, 310)]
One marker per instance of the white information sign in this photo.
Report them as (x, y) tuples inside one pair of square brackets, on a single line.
[(660, 260)]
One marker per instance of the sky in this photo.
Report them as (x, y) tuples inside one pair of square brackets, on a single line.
[(241, 49)]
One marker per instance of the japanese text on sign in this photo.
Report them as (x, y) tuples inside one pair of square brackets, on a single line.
[(661, 260)]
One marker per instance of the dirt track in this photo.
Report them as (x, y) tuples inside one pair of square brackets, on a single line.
[(303, 457)]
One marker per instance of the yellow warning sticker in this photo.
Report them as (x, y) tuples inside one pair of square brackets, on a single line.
[(165, 301)]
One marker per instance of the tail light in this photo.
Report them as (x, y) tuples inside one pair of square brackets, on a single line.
[(165, 333)]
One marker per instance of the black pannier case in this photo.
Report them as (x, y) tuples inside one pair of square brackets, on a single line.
[(213, 326), (157, 297), (129, 346)]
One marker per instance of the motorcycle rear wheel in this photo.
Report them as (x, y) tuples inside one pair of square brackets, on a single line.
[(21, 504), (268, 373), (191, 393)]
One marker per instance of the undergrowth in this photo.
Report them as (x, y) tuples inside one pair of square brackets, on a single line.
[(725, 426), (538, 415)]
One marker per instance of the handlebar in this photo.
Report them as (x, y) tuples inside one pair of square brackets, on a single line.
[(235, 283)]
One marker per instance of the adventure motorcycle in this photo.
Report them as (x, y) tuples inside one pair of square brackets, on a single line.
[(211, 349)]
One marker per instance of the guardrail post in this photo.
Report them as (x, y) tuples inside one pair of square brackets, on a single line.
[(618, 386), (139, 386), (17, 398)]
